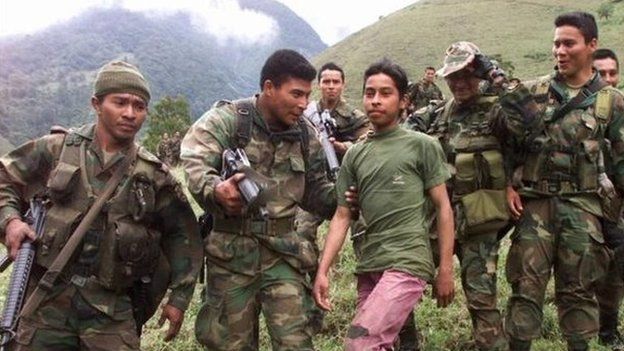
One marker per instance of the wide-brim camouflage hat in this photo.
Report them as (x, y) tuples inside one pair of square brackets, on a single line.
[(458, 56)]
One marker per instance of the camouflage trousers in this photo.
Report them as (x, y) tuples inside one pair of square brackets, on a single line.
[(553, 234), (68, 322), (478, 257), (610, 289), (228, 320)]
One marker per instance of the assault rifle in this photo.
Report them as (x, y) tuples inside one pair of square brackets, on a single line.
[(18, 283), (326, 126), (236, 161)]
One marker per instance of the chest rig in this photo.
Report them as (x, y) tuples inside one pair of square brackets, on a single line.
[(467, 138), (120, 246), (564, 153)]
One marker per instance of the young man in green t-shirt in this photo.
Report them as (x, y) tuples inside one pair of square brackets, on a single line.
[(394, 171)]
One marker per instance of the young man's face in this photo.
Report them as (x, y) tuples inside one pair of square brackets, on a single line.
[(430, 75), (331, 85), (120, 115), (382, 101), (572, 53), (608, 69), (463, 85), (287, 102)]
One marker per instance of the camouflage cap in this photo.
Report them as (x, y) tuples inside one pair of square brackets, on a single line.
[(121, 77), (458, 56)]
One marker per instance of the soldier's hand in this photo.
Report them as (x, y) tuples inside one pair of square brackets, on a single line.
[(175, 316), (227, 195), (340, 148), (444, 288), (514, 202), (321, 292), (16, 232), (351, 197)]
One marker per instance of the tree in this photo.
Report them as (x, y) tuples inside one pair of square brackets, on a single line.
[(168, 115), (605, 10)]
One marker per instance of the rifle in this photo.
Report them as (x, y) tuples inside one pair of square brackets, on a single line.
[(18, 283), (235, 161), (326, 126)]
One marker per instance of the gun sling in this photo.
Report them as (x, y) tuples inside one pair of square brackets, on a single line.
[(49, 278)]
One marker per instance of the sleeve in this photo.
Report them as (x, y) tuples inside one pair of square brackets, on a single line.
[(615, 134), (346, 178), (23, 173), (181, 242), (320, 194), (433, 165), (201, 152)]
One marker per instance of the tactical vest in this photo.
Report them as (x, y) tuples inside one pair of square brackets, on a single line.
[(474, 151), (552, 167), (121, 246)]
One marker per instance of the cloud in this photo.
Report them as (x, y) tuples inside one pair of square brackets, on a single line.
[(225, 19)]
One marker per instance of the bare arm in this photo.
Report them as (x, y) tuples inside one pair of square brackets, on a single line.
[(335, 238), (444, 285)]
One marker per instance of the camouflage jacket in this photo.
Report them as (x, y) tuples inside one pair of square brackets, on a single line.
[(421, 93), (351, 123), (279, 156), (34, 168), (562, 158)]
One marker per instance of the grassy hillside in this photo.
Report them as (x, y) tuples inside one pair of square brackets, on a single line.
[(418, 35)]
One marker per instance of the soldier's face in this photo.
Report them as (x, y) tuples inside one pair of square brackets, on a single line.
[(287, 102), (331, 85), (120, 116), (463, 85), (572, 53), (382, 101), (430, 75), (608, 69)]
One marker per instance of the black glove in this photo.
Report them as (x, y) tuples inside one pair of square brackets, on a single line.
[(485, 68)]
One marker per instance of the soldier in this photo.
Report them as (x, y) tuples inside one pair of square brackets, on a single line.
[(258, 263), (350, 124), (607, 64), (89, 306), (473, 129), (164, 148), (610, 289), (175, 149), (394, 256), (424, 91), (559, 229)]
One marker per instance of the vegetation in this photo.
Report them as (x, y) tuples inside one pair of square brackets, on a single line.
[(169, 115)]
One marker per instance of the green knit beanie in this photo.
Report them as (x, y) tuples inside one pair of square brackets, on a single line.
[(121, 77)]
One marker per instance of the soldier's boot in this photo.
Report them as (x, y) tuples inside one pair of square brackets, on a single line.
[(578, 345), (608, 334), (408, 336), (519, 345)]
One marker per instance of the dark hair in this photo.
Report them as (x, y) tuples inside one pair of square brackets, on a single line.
[(332, 67), (284, 64), (602, 54), (429, 68), (390, 69), (583, 21)]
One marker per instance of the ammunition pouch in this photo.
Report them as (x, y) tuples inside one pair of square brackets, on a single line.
[(485, 211), (133, 255), (62, 182), (611, 207), (481, 169)]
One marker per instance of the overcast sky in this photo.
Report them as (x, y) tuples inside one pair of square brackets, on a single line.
[(332, 19)]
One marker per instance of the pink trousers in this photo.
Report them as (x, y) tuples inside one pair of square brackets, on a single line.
[(384, 301)]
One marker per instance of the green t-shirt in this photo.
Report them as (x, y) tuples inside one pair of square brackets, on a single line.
[(392, 171)]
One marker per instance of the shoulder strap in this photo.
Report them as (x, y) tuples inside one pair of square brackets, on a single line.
[(585, 93), (48, 280), (244, 112), (305, 140)]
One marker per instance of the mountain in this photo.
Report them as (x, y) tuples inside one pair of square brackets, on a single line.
[(46, 78), (520, 31)]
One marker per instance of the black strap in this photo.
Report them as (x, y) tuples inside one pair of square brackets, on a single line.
[(586, 93)]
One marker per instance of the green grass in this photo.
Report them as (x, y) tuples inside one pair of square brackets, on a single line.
[(418, 35), (442, 328)]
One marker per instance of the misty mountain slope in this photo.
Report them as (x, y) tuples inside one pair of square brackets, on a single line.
[(418, 35), (46, 78)]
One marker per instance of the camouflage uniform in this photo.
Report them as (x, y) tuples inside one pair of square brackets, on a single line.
[(255, 264), (89, 306), (165, 150), (421, 93), (560, 225), (473, 137), (175, 150)]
